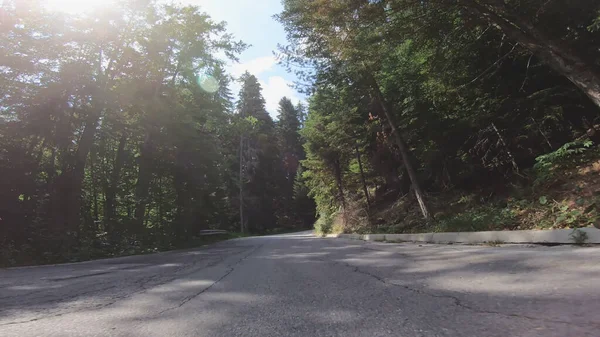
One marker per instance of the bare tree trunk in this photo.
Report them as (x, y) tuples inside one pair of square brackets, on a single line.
[(362, 176), (183, 201), (506, 148), (30, 198), (66, 202), (242, 220), (553, 53), (85, 145), (51, 166), (159, 213), (181, 204), (110, 207), (143, 183), (539, 127), (94, 187), (404, 152), (146, 217)]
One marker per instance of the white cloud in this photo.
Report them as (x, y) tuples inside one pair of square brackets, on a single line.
[(274, 89), (235, 87), (255, 67)]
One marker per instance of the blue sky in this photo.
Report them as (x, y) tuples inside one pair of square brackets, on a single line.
[(252, 22)]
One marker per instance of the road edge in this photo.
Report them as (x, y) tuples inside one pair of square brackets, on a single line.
[(555, 236)]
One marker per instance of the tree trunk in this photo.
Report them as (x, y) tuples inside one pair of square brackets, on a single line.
[(143, 184), (337, 170), (539, 127), (404, 152), (555, 54), (181, 220), (85, 145), (183, 199), (67, 195), (110, 207), (94, 187), (506, 148), (362, 176), (51, 167), (242, 223), (66, 203), (159, 204)]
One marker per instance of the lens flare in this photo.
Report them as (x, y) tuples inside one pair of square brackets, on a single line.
[(208, 83), (78, 6)]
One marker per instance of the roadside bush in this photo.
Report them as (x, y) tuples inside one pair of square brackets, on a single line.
[(548, 165), (324, 224), (482, 218), (353, 219)]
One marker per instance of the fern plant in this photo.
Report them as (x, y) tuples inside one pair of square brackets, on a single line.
[(546, 163)]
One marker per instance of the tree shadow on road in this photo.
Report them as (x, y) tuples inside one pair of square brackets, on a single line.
[(303, 286)]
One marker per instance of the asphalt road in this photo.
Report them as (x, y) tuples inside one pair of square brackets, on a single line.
[(299, 285)]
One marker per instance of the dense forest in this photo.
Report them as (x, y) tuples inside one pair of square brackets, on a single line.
[(119, 134), (448, 115)]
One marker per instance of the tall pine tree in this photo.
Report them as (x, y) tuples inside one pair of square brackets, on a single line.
[(261, 174)]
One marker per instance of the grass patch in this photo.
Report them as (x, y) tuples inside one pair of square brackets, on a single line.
[(484, 218)]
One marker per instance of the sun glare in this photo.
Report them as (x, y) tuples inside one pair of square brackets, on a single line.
[(77, 6)]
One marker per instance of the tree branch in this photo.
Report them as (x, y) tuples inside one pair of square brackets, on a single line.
[(490, 67), (526, 73)]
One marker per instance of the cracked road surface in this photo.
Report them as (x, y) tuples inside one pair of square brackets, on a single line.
[(299, 285)]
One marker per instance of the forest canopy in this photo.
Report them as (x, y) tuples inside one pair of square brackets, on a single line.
[(451, 108), (118, 133)]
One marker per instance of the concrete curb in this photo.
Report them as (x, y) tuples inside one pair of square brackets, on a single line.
[(556, 236)]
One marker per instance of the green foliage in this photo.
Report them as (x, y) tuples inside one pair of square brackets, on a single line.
[(595, 26), (579, 237), (546, 165), (304, 205), (265, 201), (324, 224), (569, 216), (483, 218), (118, 135), (473, 104)]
